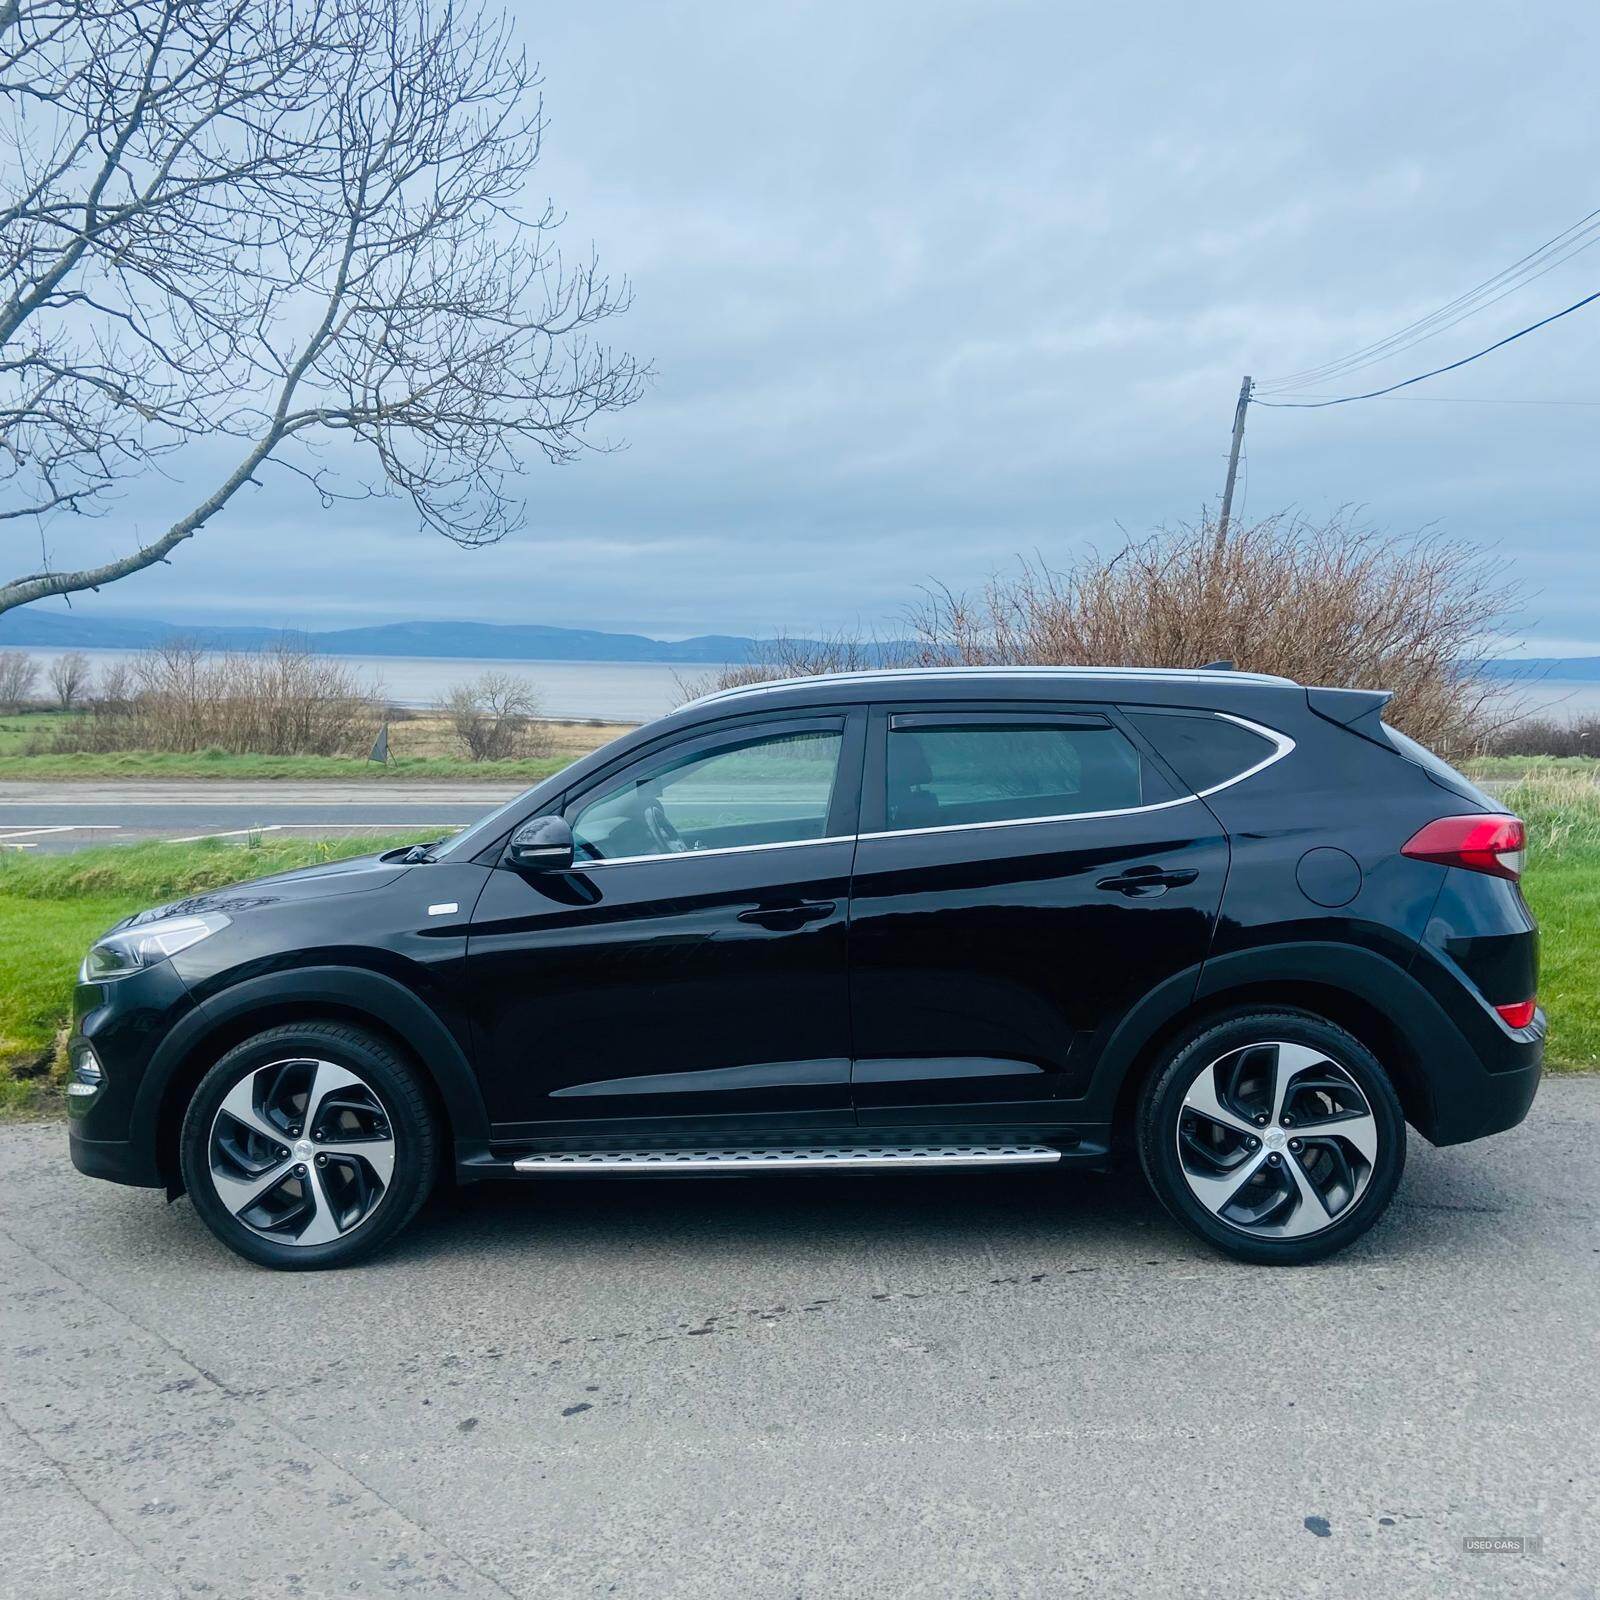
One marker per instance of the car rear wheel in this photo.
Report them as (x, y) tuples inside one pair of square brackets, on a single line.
[(308, 1146), (1274, 1135)]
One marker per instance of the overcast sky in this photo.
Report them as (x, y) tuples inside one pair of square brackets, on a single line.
[(928, 284)]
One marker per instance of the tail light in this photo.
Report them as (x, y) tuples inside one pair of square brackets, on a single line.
[(1519, 1013), (1492, 844)]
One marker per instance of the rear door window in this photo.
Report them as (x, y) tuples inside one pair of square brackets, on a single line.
[(952, 771), (1204, 749)]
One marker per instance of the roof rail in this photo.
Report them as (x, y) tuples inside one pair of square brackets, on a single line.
[(902, 674)]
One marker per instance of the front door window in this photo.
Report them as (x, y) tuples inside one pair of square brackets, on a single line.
[(773, 788)]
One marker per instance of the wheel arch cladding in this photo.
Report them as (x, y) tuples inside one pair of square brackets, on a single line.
[(1359, 991), (367, 1000)]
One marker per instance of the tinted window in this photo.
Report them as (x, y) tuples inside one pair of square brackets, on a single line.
[(1436, 767), (1204, 750), (944, 777), (771, 789)]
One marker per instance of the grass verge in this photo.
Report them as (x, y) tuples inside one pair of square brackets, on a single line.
[(1562, 885), (53, 907)]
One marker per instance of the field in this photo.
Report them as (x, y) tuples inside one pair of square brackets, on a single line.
[(51, 907), (421, 746)]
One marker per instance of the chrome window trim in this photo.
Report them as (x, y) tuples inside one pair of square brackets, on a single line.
[(716, 850), (1281, 742), (1282, 745), (1030, 822)]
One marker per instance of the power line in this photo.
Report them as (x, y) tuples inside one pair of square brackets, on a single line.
[(1485, 400), (1344, 400), (1571, 241), (1351, 366)]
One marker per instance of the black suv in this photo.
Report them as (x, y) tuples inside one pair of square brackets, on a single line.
[(886, 920)]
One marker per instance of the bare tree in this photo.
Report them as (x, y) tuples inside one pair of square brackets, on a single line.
[(494, 717), (18, 675), (69, 678), (290, 228)]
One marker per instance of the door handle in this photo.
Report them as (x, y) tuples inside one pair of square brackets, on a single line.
[(786, 918), (1145, 883)]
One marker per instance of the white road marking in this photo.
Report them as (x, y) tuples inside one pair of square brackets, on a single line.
[(58, 827), (230, 833), (9, 838), (316, 827)]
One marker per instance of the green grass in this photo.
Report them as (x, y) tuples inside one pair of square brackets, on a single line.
[(53, 907), (1518, 767), (1562, 885)]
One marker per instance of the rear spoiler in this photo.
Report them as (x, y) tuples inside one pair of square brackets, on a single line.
[(1359, 710)]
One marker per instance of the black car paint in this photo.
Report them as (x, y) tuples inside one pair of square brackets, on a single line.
[(976, 977)]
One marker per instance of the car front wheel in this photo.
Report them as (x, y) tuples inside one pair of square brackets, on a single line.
[(1274, 1135), (308, 1146)]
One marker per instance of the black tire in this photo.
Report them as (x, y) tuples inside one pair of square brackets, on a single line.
[(1162, 1109), (408, 1124)]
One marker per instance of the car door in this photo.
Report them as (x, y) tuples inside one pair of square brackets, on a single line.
[(1024, 874), (690, 970)]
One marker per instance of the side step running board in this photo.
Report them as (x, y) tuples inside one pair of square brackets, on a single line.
[(787, 1158)]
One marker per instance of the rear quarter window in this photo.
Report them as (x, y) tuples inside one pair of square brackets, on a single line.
[(1436, 767), (1205, 750)]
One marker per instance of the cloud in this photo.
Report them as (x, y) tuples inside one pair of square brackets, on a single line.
[(928, 285)]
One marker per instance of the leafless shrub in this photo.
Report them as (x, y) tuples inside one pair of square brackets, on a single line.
[(788, 657), (69, 678), (113, 689), (494, 716), (179, 697), (1547, 736), (1323, 603), (19, 673)]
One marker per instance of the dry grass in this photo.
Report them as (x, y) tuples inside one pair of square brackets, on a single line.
[(431, 736)]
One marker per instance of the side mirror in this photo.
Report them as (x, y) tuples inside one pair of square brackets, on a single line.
[(542, 844)]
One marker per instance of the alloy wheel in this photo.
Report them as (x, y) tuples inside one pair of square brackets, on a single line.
[(1277, 1140), (302, 1151)]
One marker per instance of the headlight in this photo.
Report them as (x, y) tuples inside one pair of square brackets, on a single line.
[(118, 954)]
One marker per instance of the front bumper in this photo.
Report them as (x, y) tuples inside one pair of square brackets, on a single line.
[(112, 1131), (117, 1160)]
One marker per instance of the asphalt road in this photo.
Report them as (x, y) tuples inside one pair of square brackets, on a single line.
[(52, 818), (973, 1385)]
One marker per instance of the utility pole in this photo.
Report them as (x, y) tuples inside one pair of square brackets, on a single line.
[(1233, 465)]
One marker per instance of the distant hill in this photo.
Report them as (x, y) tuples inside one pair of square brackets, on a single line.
[(502, 641), (1581, 669), (450, 640)]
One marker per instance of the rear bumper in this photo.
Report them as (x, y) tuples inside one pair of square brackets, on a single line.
[(1475, 1098)]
